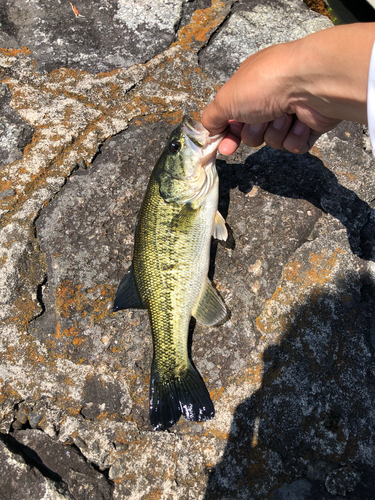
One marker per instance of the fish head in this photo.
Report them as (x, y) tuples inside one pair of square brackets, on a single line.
[(187, 167)]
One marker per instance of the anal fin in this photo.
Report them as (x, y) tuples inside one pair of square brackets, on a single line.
[(127, 296), (219, 231), (210, 309)]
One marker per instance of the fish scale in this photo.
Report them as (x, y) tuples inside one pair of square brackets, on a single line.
[(165, 277)]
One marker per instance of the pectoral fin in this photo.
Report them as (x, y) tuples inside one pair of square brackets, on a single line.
[(185, 217), (219, 231), (127, 296), (210, 309)]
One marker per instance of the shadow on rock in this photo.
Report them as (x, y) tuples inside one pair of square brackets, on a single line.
[(308, 432), (302, 177)]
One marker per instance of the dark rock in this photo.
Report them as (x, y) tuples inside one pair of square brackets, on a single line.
[(342, 481), (15, 134), (35, 418), (22, 414), (20, 479), (299, 490), (104, 397), (7, 193), (84, 481)]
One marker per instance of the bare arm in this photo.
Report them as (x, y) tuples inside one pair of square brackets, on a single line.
[(289, 94)]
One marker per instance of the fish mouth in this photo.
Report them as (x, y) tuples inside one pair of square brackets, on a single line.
[(202, 149), (200, 136)]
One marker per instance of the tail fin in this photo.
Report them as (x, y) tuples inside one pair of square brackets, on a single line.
[(184, 395)]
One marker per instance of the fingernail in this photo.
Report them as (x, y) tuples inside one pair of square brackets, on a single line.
[(300, 128), (256, 127), (280, 122)]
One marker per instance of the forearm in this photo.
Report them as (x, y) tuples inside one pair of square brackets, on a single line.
[(334, 78)]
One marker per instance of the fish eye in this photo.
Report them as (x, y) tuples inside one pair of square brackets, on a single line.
[(174, 147)]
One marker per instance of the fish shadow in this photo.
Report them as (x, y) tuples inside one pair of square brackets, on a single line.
[(309, 422), (299, 177)]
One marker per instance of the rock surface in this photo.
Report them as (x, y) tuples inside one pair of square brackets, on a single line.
[(87, 104)]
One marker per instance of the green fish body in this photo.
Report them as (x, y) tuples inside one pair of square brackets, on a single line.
[(168, 275)]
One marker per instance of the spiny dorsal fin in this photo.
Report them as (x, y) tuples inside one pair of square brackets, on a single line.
[(127, 296), (211, 309), (219, 231)]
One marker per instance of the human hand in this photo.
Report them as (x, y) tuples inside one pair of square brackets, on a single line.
[(286, 97)]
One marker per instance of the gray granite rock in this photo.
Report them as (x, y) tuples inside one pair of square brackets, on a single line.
[(253, 26), (291, 373), (104, 35)]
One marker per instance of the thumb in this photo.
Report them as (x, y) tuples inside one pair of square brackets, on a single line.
[(213, 119)]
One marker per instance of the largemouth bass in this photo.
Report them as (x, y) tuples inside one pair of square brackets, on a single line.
[(168, 275)]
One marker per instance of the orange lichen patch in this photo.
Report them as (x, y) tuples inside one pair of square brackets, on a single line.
[(143, 446), (173, 118), (213, 432), (15, 52), (320, 7), (31, 182), (70, 405), (60, 75), (124, 436), (316, 152), (72, 300), (217, 394), (319, 260), (8, 393), (196, 115), (68, 381), (25, 309), (69, 298), (104, 415), (73, 333), (253, 374), (24, 347), (58, 82), (202, 23), (308, 277), (5, 184), (350, 176), (317, 274), (154, 494)]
